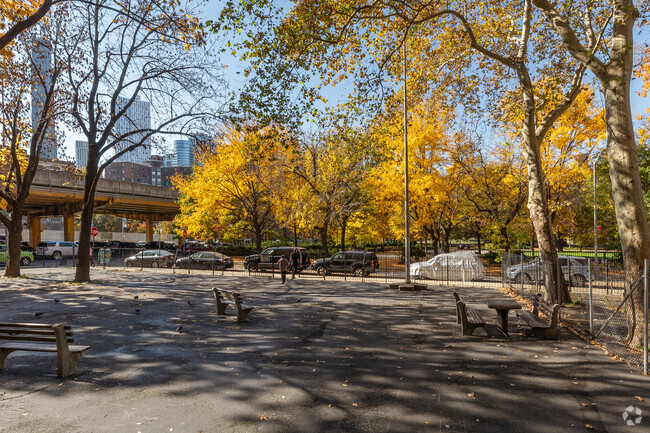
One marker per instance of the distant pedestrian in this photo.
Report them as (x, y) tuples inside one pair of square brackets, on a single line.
[(295, 262), (92, 263), (283, 264)]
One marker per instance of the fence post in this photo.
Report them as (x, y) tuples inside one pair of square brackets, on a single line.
[(557, 282), (645, 316), (591, 296)]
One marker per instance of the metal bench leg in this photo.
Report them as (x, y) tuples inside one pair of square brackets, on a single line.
[(242, 314), (3, 355)]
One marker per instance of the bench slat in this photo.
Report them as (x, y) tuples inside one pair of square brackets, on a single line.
[(51, 339), (30, 325), (474, 317), (38, 331), (35, 347), (532, 320)]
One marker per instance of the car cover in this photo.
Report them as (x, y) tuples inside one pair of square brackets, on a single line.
[(463, 266)]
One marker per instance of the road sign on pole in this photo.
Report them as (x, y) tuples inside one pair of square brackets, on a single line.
[(94, 231), (184, 233)]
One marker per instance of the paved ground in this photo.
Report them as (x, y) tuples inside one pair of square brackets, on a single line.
[(316, 356)]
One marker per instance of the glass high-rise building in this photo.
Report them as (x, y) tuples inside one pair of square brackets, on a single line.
[(136, 118), (81, 153), (42, 58), (183, 155)]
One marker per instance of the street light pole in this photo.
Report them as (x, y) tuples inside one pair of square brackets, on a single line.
[(407, 236), (596, 270)]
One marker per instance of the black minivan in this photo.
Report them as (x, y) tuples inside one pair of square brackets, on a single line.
[(357, 263), (269, 258)]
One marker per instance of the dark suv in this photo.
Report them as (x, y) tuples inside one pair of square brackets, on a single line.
[(270, 256), (357, 263)]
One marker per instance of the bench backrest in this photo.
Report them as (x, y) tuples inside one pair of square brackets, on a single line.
[(462, 311), (457, 300), (230, 296), (38, 332), (550, 311)]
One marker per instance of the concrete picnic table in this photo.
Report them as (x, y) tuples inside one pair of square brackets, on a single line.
[(503, 307)]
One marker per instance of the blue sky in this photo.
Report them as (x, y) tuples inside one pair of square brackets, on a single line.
[(234, 68)]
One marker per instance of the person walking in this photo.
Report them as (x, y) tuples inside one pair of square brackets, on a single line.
[(283, 264), (295, 262), (92, 263)]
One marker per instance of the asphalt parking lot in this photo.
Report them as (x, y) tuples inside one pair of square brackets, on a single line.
[(316, 356)]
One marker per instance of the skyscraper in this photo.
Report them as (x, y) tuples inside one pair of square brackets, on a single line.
[(136, 118), (183, 153), (42, 58), (81, 153)]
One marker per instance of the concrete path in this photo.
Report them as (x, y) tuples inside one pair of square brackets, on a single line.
[(315, 357)]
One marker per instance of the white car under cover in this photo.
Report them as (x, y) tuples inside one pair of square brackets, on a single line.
[(461, 266)]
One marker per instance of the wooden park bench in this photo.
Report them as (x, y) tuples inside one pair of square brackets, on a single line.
[(225, 298), (539, 326), (36, 337), (470, 319)]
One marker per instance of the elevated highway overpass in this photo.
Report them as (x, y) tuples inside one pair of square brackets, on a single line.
[(60, 193)]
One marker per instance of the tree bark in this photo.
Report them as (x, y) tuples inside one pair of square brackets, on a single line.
[(82, 273), (555, 288), (344, 226), (14, 236), (627, 193), (324, 239)]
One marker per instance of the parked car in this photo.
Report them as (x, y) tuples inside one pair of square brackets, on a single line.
[(575, 270), (358, 263), (57, 249), (150, 258), (26, 247), (123, 248), (205, 260), (26, 257), (270, 256), (460, 266), (195, 246), (156, 245)]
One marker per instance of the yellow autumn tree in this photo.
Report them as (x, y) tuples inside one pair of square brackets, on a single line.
[(229, 188)]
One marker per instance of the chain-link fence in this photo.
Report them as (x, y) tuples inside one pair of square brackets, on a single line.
[(599, 305)]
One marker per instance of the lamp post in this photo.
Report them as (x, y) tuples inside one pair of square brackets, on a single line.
[(407, 236), (596, 270)]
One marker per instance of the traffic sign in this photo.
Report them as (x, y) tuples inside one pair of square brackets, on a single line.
[(94, 231), (599, 228), (184, 233)]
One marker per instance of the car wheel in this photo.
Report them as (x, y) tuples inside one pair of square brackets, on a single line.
[(154, 264), (128, 264), (56, 255), (522, 278), (321, 270), (358, 272), (25, 261), (252, 267), (578, 280)]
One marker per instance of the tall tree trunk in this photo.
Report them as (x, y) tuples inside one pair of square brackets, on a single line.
[(324, 240), (295, 234), (82, 273), (14, 236), (627, 193), (478, 241), (257, 232), (344, 226), (538, 202)]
